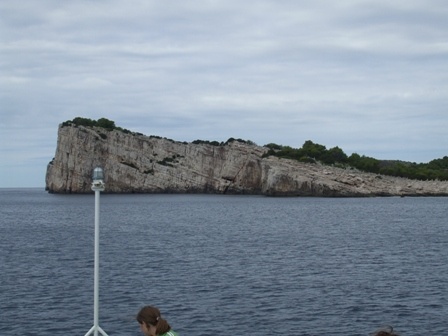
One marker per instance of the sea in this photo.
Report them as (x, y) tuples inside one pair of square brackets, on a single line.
[(224, 265)]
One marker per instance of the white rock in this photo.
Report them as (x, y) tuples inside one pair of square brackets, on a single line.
[(142, 164)]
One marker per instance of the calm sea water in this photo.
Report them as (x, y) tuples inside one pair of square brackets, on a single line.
[(224, 265)]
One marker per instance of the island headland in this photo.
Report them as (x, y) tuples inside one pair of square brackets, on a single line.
[(135, 163)]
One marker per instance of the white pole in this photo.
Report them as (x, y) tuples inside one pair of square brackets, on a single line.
[(97, 186), (97, 266)]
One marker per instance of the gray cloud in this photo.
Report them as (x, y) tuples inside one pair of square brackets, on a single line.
[(368, 76)]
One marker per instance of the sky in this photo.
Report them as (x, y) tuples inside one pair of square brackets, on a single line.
[(368, 76)]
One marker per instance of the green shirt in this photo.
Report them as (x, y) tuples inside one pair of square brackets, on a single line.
[(170, 333)]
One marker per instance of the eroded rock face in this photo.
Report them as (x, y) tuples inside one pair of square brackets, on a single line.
[(141, 164)]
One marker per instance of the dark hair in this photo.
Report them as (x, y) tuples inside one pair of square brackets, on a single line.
[(385, 331), (151, 316)]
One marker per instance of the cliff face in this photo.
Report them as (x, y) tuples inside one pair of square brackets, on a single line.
[(137, 163)]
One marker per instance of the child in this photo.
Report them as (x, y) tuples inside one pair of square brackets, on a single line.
[(152, 323)]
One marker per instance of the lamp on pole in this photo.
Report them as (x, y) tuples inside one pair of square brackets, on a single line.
[(97, 186)]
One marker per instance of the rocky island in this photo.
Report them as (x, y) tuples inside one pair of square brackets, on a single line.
[(135, 163)]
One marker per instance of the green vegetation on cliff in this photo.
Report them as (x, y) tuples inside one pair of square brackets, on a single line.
[(102, 122), (312, 153)]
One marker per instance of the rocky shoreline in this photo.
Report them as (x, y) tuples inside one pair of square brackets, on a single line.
[(135, 163)]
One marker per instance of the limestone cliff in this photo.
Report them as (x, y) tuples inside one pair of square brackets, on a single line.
[(142, 164)]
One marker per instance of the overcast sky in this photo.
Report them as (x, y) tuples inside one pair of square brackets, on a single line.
[(368, 76)]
